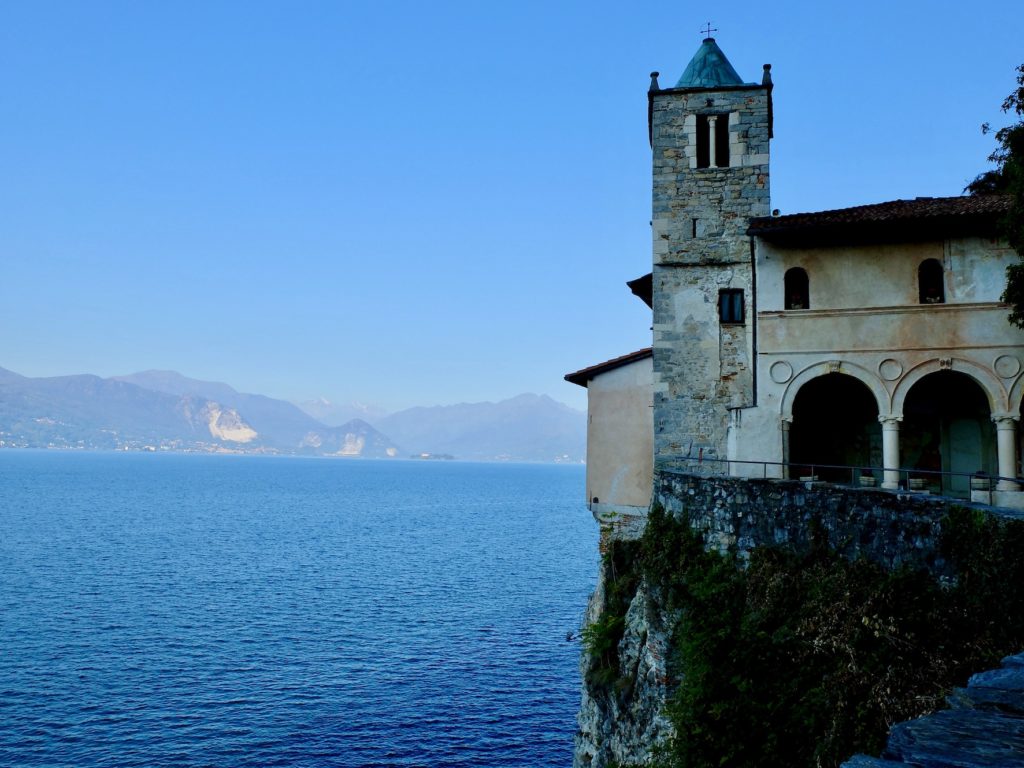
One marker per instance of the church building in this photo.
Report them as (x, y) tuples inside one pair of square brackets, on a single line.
[(866, 345)]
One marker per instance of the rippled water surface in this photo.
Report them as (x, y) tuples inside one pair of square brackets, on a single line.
[(168, 610)]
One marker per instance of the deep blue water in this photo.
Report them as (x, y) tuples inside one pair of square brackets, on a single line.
[(178, 610)]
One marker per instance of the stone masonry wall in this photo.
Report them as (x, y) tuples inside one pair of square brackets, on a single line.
[(890, 528), (700, 217)]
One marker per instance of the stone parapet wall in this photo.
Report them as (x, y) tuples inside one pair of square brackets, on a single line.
[(890, 528)]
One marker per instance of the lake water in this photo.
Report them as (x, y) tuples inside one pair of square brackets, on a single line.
[(180, 610)]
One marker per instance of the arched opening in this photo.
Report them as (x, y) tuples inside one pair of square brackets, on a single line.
[(835, 421), (930, 284), (797, 294), (947, 427)]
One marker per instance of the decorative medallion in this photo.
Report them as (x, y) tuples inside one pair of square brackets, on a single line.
[(781, 372), (1006, 366), (890, 369), (834, 365)]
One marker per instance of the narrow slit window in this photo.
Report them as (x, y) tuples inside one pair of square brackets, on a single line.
[(730, 306), (797, 293), (930, 283), (722, 141), (703, 142)]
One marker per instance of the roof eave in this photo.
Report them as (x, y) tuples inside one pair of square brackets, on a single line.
[(893, 231), (584, 375), (706, 88)]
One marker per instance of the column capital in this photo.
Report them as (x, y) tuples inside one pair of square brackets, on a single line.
[(785, 421), (1005, 420), (890, 421)]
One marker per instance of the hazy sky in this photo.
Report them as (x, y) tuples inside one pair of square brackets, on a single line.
[(417, 203)]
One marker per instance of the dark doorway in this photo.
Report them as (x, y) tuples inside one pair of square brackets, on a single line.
[(835, 421), (947, 427)]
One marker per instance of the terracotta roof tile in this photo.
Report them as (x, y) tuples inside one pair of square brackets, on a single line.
[(942, 215), (584, 375)]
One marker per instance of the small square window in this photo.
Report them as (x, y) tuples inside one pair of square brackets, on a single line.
[(730, 306)]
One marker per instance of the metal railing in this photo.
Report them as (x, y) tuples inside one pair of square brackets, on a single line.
[(903, 478)]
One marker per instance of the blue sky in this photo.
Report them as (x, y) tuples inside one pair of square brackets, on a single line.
[(417, 203)]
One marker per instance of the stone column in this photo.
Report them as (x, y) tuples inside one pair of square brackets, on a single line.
[(712, 153), (784, 424), (891, 451), (1006, 444)]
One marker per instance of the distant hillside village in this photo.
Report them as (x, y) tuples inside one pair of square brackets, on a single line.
[(866, 345)]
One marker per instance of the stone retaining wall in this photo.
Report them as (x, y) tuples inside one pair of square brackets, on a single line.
[(891, 528)]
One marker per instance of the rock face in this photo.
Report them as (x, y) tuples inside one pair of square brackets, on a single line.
[(618, 725), (621, 726), (984, 727)]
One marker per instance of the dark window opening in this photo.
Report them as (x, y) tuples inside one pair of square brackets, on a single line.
[(703, 142), (721, 141), (930, 282), (797, 294), (730, 305), (694, 233)]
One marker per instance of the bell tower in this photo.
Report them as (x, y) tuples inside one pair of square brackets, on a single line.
[(709, 136)]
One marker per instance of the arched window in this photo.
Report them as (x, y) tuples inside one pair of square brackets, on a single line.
[(930, 284), (797, 295)]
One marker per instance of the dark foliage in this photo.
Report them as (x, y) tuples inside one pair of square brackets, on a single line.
[(1008, 178), (601, 639), (803, 659)]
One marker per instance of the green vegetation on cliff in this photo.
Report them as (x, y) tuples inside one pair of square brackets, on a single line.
[(805, 658)]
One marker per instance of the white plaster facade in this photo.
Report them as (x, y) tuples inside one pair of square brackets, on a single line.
[(620, 436), (865, 319)]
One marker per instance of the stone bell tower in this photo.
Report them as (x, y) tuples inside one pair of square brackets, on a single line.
[(709, 136)]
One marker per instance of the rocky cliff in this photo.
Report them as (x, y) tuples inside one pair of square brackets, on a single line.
[(633, 622)]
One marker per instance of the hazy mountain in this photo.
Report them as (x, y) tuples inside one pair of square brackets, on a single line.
[(334, 414), (166, 409), (88, 411), (524, 428), (279, 421)]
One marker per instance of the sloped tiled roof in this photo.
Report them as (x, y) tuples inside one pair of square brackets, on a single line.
[(584, 375), (899, 219)]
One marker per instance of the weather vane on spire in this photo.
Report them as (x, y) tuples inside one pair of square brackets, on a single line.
[(707, 32)]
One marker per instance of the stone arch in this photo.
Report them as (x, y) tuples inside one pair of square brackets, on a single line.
[(835, 427), (835, 366), (998, 399), (947, 427)]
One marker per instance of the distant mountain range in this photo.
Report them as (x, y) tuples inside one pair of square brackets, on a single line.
[(164, 410), (524, 428), (335, 414)]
